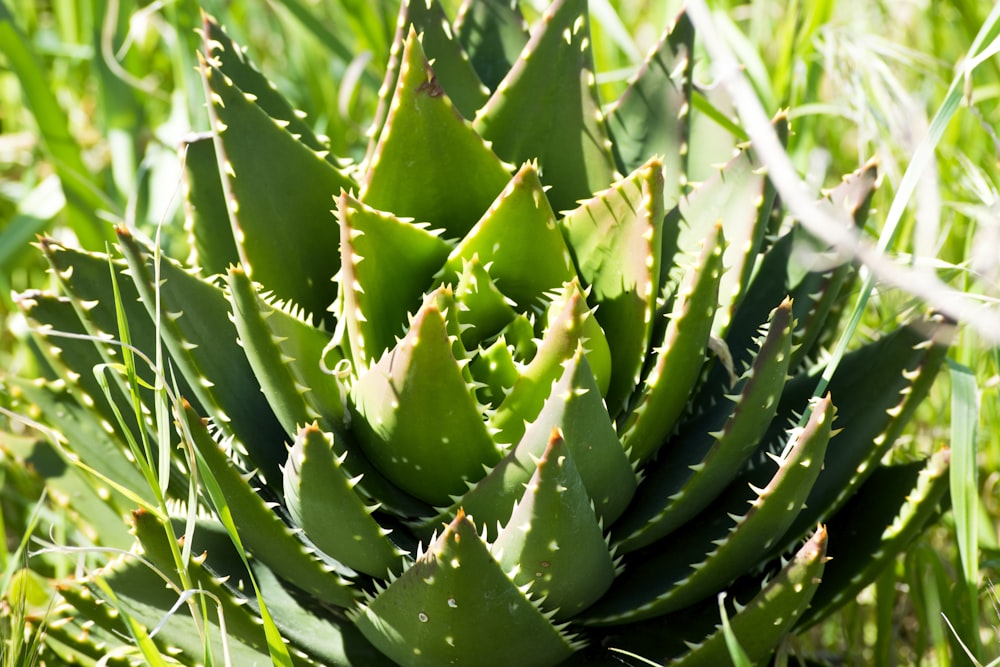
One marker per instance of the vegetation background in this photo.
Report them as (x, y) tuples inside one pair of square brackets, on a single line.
[(95, 94)]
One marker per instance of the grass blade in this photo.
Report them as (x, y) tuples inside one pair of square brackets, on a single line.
[(85, 198)]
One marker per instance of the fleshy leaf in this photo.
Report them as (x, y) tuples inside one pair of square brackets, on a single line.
[(193, 312), (100, 451), (96, 509), (564, 333), (455, 605), (230, 60), (651, 116), (278, 197), (519, 230), (554, 78), (493, 33), (287, 355), (614, 238), (553, 542), (693, 469), (388, 264), (679, 358), (573, 407), (89, 310), (297, 373), (142, 596), (878, 523), (315, 483), (414, 413), (740, 197), (728, 539), (483, 310), (271, 541), (451, 175), (761, 624), (876, 388), (209, 231), (427, 20), (451, 63)]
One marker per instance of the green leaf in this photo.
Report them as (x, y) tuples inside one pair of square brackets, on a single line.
[(287, 356), (271, 540), (108, 470), (876, 389), (86, 278), (614, 238), (815, 279), (493, 33), (94, 507), (140, 597), (730, 538), (455, 605), (194, 312), (546, 108), (573, 406), (678, 360), (564, 333), (964, 477), (209, 231), (415, 415), (229, 59), (299, 374), (421, 143), (651, 116), (388, 265), (518, 231), (323, 635), (553, 542), (763, 622), (278, 194), (740, 197), (316, 483), (483, 310), (879, 522), (693, 468)]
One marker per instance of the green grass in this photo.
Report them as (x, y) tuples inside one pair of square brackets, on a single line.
[(96, 95)]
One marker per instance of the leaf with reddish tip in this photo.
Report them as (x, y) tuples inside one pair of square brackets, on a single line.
[(451, 175)]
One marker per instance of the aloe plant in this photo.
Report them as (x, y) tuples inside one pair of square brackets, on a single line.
[(525, 396)]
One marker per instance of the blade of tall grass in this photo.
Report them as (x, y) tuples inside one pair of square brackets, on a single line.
[(964, 484), (800, 200), (275, 643), (13, 560), (736, 652), (336, 46), (34, 212), (83, 195)]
